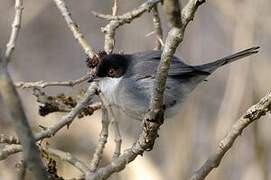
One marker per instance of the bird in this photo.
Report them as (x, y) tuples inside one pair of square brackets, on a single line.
[(127, 80)]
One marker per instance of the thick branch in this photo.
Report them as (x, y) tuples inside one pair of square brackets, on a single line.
[(14, 106), (188, 12), (23, 130), (174, 38), (74, 28), (252, 114), (173, 12)]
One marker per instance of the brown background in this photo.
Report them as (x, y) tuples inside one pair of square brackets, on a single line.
[(46, 50)]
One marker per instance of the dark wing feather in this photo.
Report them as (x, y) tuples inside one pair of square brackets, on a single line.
[(145, 65)]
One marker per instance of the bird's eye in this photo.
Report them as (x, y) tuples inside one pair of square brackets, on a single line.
[(111, 72)]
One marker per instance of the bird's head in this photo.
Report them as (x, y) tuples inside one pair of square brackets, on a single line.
[(112, 65)]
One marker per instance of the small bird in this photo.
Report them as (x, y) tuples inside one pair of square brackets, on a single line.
[(127, 80)]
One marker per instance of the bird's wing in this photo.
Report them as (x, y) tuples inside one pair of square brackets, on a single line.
[(146, 65), (134, 94)]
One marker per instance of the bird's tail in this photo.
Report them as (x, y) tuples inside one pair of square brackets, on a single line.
[(210, 67)]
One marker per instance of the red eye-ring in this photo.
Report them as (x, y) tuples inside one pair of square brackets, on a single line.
[(111, 72)]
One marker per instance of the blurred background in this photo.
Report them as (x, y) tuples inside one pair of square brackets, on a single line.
[(46, 50)]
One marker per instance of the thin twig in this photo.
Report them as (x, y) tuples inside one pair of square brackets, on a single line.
[(61, 103), (74, 28), (252, 114), (9, 139), (97, 156), (9, 150), (44, 84), (115, 7), (16, 25), (68, 118), (117, 21), (157, 28), (50, 131), (21, 170), (115, 126), (65, 156)]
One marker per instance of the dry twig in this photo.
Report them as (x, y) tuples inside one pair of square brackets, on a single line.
[(115, 126), (16, 25), (44, 84), (21, 170), (68, 118), (50, 131), (74, 28), (157, 28), (252, 114), (97, 156), (117, 21), (8, 139), (115, 7), (9, 150), (65, 156)]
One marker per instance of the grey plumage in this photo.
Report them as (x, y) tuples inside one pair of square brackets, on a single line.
[(131, 91)]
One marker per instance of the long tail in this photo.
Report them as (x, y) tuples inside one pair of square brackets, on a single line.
[(210, 67)]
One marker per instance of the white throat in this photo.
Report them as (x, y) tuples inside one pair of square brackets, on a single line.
[(108, 87)]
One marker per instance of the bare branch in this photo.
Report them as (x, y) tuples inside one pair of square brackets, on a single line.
[(115, 7), (50, 131), (9, 139), (68, 118), (65, 156), (21, 170), (14, 106), (61, 103), (173, 12), (44, 84), (74, 28), (115, 126), (117, 138), (20, 122), (174, 38), (157, 28), (252, 114), (97, 156), (188, 12), (16, 25), (117, 21), (9, 150)]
